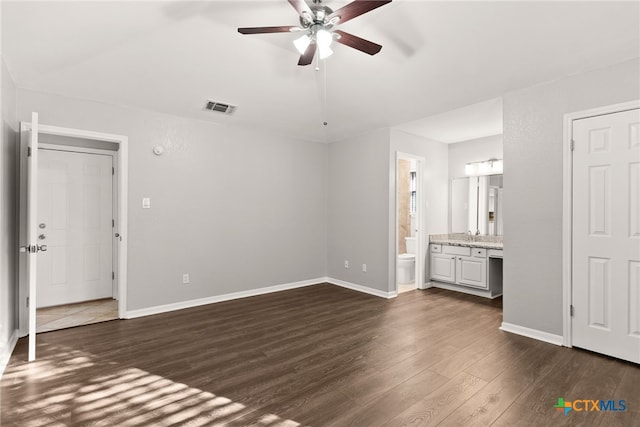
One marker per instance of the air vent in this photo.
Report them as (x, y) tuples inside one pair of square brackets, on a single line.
[(220, 107)]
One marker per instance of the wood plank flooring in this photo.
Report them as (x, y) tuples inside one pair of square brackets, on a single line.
[(321, 356)]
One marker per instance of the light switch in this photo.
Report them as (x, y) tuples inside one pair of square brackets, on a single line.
[(146, 203)]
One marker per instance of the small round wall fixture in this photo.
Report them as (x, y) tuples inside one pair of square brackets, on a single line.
[(158, 150)]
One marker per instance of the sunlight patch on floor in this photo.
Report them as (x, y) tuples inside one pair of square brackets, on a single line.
[(62, 392)]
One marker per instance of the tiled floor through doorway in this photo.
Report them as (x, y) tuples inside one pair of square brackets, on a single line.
[(406, 287), (82, 313)]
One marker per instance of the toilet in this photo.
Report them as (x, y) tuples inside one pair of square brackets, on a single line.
[(406, 265)]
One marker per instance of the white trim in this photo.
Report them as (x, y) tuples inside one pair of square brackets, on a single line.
[(52, 146), (5, 355), (363, 289), (485, 293), (532, 333), (254, 292), (219, 298), (567, 214)]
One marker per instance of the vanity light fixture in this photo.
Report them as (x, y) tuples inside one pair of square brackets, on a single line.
[(486, 167)]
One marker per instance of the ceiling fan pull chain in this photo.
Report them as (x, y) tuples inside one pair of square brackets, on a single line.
[(324, 97)]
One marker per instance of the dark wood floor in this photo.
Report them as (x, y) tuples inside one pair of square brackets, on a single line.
[(322, 356)]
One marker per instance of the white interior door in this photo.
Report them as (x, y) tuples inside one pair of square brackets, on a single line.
[(606, 234), (31, 247), (75, 221)]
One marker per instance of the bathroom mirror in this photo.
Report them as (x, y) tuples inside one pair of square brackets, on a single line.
[(476, 205)]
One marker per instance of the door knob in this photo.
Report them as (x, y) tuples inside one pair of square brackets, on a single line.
[(33, 249), (42, 237)]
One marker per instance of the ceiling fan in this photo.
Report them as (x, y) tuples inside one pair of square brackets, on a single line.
[(318, 22)]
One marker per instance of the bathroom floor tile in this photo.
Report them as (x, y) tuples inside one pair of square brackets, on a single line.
[(406, 287), (70, 315)]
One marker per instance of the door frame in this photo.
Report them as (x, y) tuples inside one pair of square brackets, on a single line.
[(567, 207), (420, 247), (89, 142)]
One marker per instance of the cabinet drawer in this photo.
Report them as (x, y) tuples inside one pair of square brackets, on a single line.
[(457, 250), (436, 249), (479, 252)]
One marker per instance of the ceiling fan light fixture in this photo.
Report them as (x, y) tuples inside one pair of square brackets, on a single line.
[(302, 43), (324, 51), (324, 38)]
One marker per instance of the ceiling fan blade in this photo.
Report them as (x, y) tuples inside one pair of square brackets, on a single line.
[(357, 43), (264, 30), (307, 57), (357, 8), (301, 6)]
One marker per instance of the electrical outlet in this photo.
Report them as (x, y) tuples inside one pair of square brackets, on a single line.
[(364, 268), (185, 278), (346, 263)]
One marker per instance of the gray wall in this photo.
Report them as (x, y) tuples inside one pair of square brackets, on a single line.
[(8, 211), (234, 208), (533, 137), (474, 150), (358, 215), (435, 185)]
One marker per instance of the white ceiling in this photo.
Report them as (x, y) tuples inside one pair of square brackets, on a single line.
[(436, 57)]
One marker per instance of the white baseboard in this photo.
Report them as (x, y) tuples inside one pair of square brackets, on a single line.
[(426, 285), (254, 292), (219, 298), (361, 288), (464, 290), (532, 333), (5, 353)]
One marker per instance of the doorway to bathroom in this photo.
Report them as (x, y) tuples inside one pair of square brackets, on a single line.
[(409, 241)]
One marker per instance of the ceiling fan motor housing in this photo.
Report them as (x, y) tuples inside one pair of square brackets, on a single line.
[(320, 14)]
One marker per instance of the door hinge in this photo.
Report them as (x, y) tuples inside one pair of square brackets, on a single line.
[(113, 223), (571, 311), (113, 171), (28, 151), (113, 275), (572, 145), (27, 302)]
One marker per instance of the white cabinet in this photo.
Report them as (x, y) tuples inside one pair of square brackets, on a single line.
[(471, 271), (443, 267), (459, 265)]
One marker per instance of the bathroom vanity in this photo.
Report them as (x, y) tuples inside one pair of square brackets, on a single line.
[(466, 265)]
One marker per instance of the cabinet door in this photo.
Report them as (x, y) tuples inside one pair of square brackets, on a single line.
[(443, 268), (472, 272)]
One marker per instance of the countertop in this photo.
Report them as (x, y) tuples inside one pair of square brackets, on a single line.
[(467, 243)]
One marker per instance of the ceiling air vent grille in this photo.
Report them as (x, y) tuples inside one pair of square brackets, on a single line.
[(220, 107)]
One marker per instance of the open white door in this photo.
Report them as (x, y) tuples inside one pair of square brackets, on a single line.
[(31, 247)]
